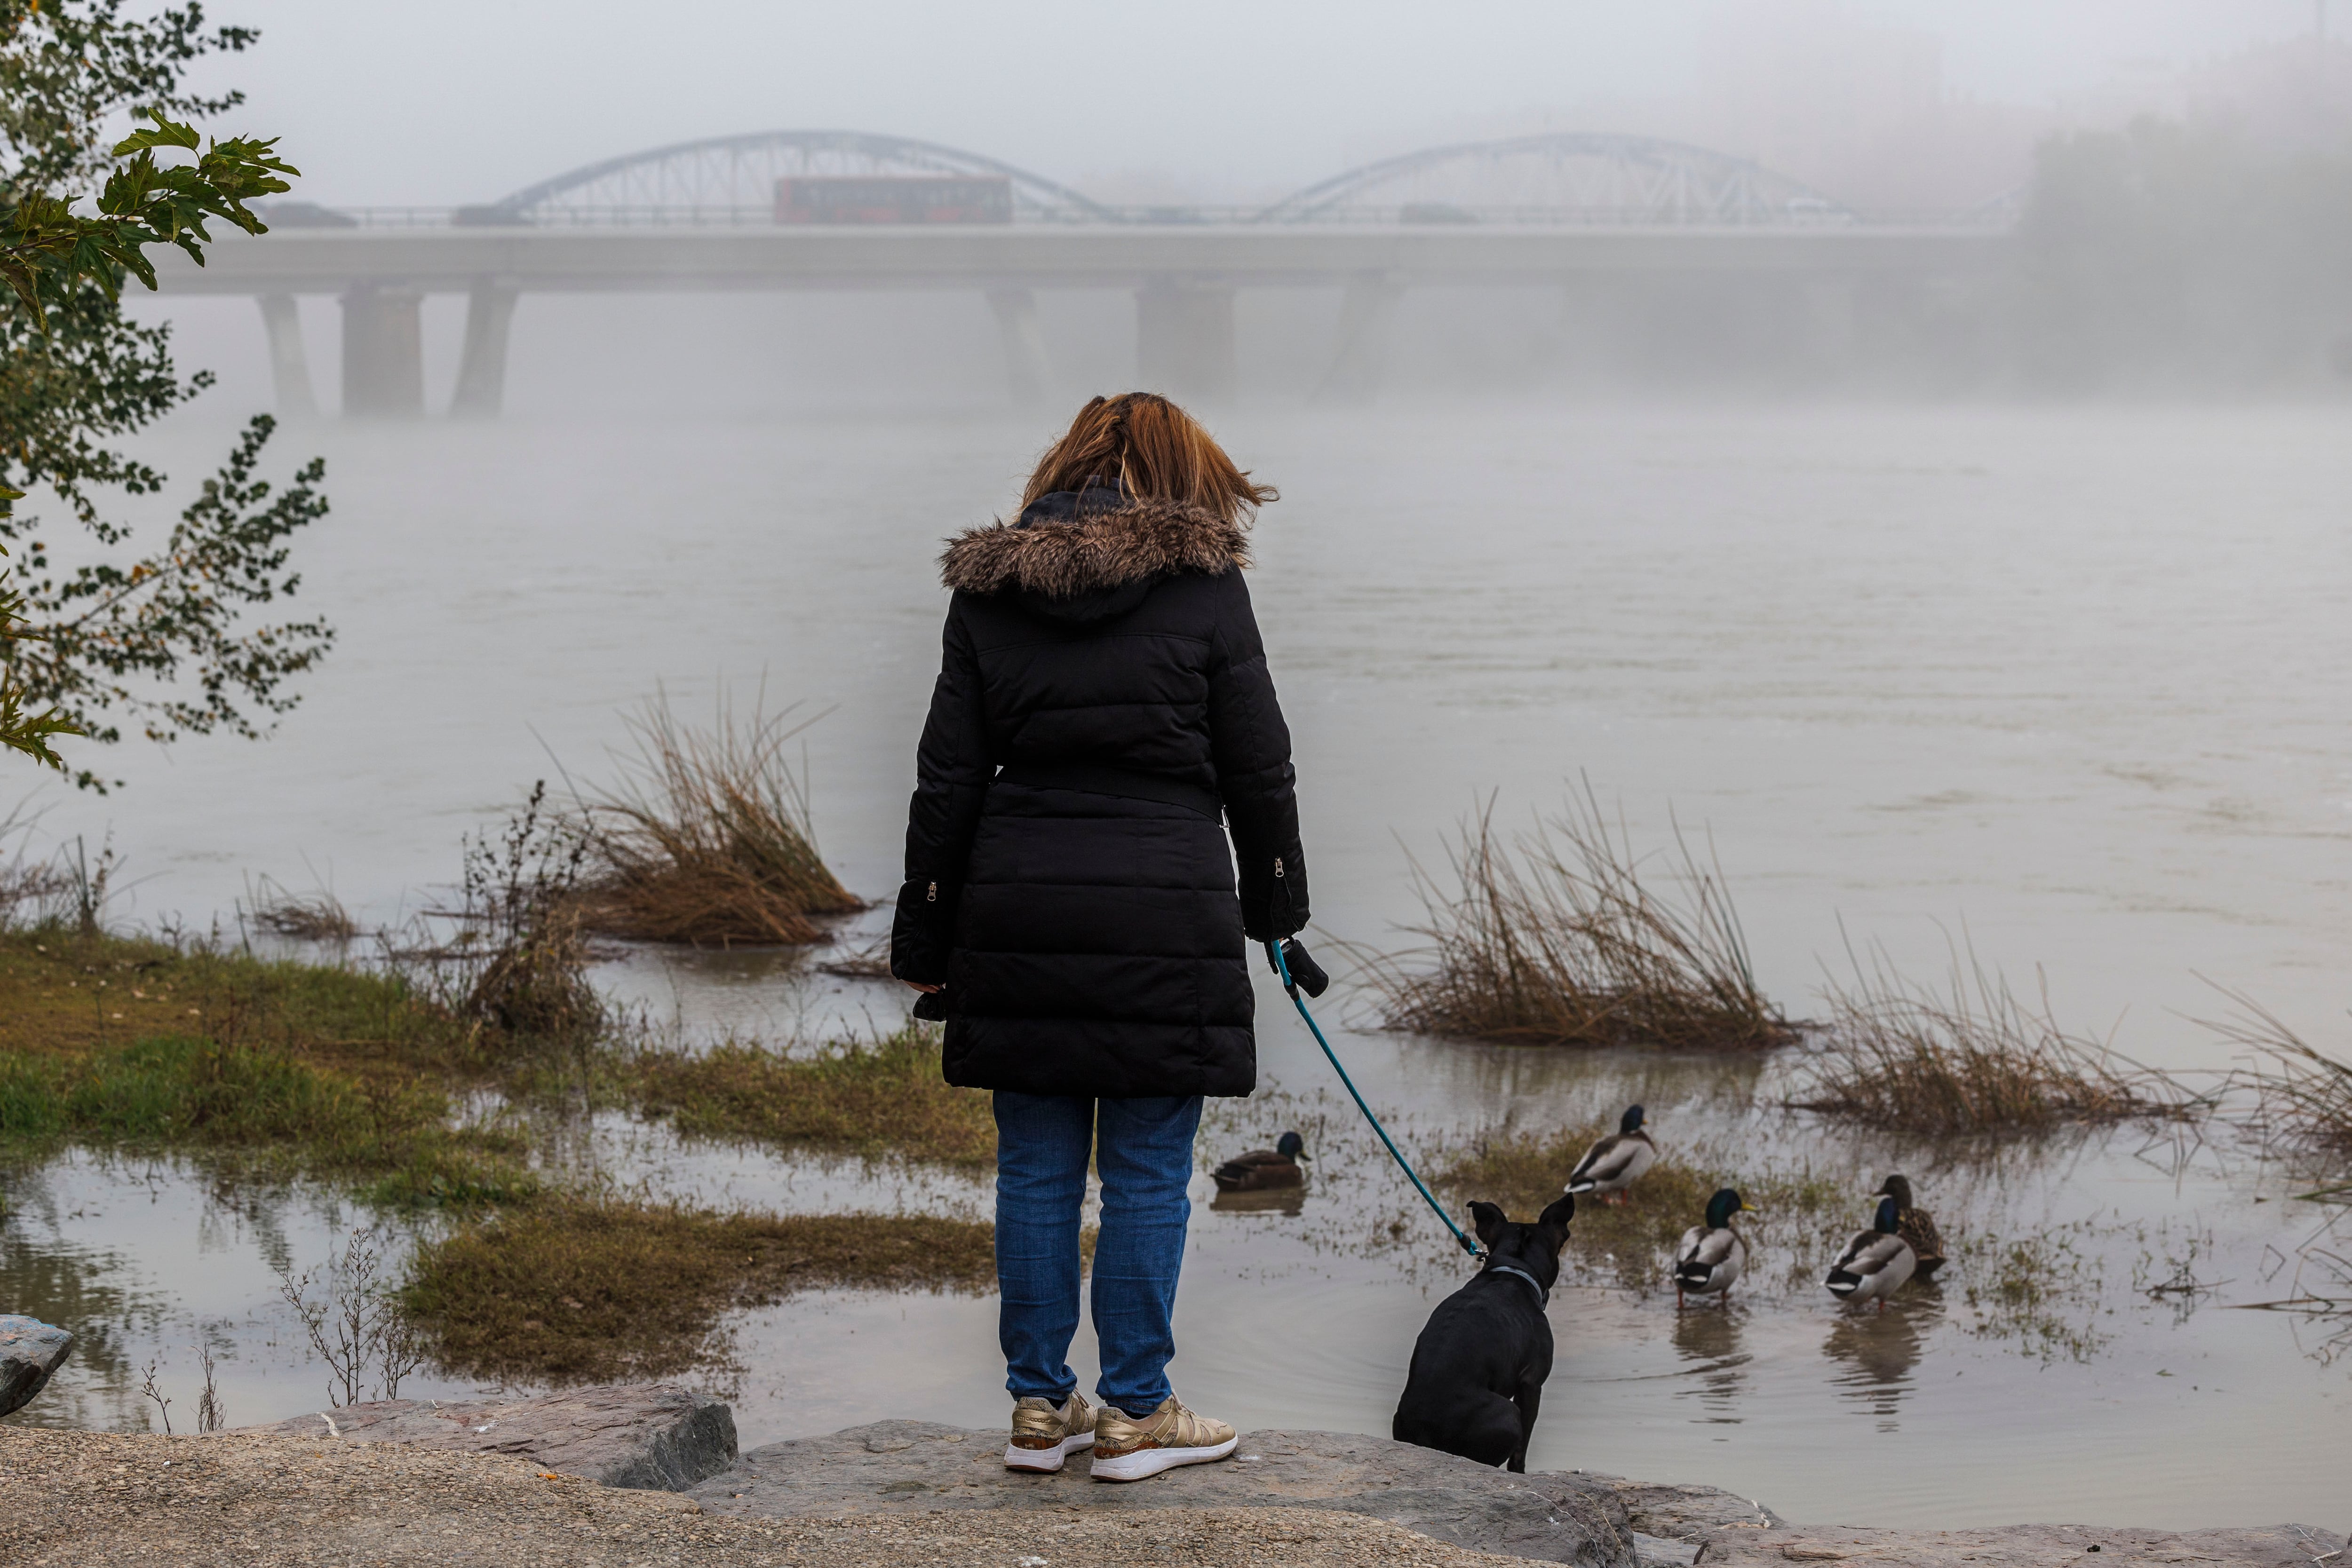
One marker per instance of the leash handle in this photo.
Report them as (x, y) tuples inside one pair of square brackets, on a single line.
[(1282, 966)]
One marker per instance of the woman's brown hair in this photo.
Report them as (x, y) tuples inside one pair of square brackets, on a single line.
[(1156, 450)]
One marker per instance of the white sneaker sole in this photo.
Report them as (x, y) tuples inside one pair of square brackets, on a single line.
[(1145, 1462), (1048, 1461)]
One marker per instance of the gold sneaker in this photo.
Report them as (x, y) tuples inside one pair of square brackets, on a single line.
[(1043, 1435), (1126, 1450)]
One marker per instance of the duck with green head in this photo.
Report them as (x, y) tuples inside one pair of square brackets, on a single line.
[(1912, 1224), (1875, 1262), (1708, 1259), (1262, 1169)]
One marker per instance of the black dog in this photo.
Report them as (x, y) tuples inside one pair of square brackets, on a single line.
[(1479, 1367)]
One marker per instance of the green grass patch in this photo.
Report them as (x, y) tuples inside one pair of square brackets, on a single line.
[(270, 1112), (573, 1290), (877, 1098), (64, 994)]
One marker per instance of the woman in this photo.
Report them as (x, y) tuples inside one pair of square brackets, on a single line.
[(1070, 904)]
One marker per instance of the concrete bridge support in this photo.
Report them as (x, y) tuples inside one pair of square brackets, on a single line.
[(482, 370), (1184, 340), (290, 366), (383, 353), (1360, 352), (1026, 367)]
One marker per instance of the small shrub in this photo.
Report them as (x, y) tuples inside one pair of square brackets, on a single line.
[(521, 930), (1554, 939), (707, 839)]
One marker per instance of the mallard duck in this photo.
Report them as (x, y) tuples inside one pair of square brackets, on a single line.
[(1875, 1262), (1912, 1224), (1262, 1168), (1710, 1256), (1616, 1162)]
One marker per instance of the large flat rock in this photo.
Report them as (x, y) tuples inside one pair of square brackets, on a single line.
[(29, 1350), (654, 1436), (916, 1467), (2019, 1546)]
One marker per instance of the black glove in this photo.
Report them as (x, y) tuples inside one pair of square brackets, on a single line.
[(1306, 974)]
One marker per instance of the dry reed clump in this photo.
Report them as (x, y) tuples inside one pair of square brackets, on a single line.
[(707, 839), (1553, 940), (316, 917), (1971, 1057), (880, 1098), (2305, 1094), (575, 1289)]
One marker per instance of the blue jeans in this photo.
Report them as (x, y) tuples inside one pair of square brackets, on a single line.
[(1145, 1160)]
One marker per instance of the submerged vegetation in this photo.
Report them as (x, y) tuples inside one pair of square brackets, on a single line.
[(1627, 1243), (1969, 1057), (707, 840), (575, 1289), (862, 1097), (1554, 938)]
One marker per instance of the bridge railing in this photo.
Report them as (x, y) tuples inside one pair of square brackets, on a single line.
[(1413, 215)]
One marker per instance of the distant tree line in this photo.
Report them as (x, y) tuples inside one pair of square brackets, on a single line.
[(2165, 256)]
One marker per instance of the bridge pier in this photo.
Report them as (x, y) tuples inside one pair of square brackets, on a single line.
[(1361, 349), (1184, 338), (383, 352), (482, 370), (1025, 365), (290, 366)]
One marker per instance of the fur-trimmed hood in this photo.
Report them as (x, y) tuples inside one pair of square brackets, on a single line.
[(1097, 553)]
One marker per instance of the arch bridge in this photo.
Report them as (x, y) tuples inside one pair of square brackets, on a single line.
[(1541, 211)]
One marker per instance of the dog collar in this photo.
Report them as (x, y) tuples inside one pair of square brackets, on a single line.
[(1541, 1294)]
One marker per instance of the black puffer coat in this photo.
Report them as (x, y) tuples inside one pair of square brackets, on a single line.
[(1102, 695)]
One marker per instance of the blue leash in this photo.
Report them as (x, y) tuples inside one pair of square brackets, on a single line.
[(1273, 950)]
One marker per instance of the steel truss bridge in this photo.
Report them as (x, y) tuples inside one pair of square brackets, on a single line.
[(1534, 211)]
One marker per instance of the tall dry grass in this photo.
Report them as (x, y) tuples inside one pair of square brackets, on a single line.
[(1969, 1056), (706, 838), (1553, 937), (2305, 1095)]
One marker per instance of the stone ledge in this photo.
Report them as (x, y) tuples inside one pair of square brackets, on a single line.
[(657, 1437)]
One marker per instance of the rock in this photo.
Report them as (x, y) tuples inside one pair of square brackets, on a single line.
[(657, 1437), (29, 1350), (2017, 1546), (913, 1467)]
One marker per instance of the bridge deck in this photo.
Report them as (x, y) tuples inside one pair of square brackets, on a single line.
[(1057, 256)]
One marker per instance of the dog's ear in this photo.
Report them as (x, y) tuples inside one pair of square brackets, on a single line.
[(1486, 1220), (1556, 1218)]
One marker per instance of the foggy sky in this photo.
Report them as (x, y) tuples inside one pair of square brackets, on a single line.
[(444, 101)]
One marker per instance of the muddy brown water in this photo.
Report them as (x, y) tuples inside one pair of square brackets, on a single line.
[(2065, 684)]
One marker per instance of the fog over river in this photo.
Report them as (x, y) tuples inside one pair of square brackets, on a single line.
[(2077, 678), (2069, 683)]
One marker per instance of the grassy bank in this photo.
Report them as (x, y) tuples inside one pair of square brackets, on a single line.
[(270, 1069), (882, 1097), (577, 1290)]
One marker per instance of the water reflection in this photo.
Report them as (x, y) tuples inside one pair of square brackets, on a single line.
[(1876, 1353), (1291, 1200), (1708, 1339)]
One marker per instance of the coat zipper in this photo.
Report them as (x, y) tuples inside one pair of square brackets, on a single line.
[(933, 895)]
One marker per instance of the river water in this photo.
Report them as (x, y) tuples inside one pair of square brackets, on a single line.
[(2067, 685)]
